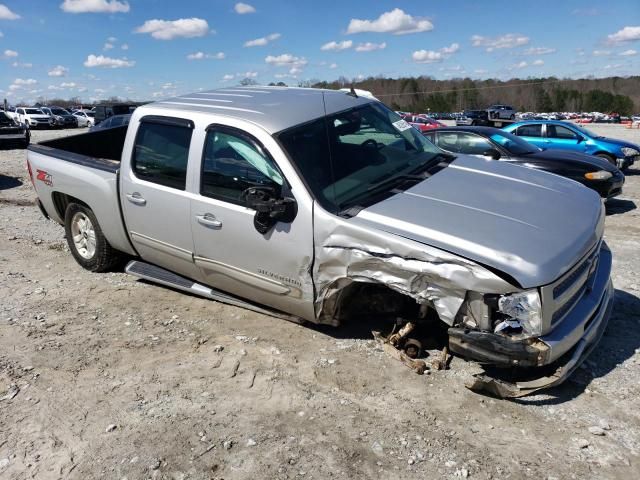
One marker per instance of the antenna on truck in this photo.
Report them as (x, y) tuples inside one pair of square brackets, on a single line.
[(352, 92)]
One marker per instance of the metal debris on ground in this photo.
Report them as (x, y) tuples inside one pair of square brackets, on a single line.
[(391, 344)]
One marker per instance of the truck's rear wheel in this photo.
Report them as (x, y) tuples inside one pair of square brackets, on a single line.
[(86, 241)]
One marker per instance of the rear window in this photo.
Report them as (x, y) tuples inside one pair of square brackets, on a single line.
[(161, 153), (534, 130)]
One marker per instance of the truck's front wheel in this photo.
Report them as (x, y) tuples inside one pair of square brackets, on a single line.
[(86, 241)]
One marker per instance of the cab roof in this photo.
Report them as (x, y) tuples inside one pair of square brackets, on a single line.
[(273, 108)]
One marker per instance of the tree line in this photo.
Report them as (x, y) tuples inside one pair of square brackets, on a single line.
[(422, 94)]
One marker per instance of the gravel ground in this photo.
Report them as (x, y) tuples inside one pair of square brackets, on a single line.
[(104, 376)]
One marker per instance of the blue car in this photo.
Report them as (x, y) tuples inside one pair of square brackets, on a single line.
[(568, 136)]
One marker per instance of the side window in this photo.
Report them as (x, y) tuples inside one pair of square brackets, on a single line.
[(232, 163), (533, 130), (558, 131), (160, 154), (448, 141), (473, 144)]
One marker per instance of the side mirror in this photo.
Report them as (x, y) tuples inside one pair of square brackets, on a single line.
[(580, 139), (493, 153), (270, 207)]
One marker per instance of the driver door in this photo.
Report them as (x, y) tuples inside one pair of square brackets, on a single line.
[(272, 269)]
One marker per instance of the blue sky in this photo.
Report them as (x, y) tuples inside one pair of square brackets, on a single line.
[(145, 49)]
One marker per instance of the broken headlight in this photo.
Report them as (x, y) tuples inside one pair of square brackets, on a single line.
[(522, 313)]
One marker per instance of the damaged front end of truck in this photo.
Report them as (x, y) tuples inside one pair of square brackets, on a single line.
[(527, 339)]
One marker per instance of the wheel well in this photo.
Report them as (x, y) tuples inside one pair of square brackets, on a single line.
[(61, 201)]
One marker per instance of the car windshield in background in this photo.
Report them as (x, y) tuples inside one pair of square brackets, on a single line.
[(586, 132), (33, 111), (350, 157), (59, 111), (513, 144)]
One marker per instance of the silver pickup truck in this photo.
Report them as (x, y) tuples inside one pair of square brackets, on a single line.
[(325, 206)]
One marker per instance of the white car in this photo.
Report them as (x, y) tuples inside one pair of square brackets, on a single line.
[(85, 118), (501, 112), (33, 117)]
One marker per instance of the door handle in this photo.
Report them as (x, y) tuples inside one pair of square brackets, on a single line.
[(209, 220), (136, 198)]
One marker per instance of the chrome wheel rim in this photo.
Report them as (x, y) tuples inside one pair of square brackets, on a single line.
[(84, 235)]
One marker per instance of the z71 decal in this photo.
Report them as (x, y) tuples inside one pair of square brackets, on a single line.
[(44, 177)]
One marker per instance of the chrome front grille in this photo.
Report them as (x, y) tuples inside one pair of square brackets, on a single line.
[(560, 297)]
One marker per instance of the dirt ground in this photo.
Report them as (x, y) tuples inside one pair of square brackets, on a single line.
[(104, 376)]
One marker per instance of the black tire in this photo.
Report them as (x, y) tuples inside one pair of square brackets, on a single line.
[(608, 158), (102, 256)]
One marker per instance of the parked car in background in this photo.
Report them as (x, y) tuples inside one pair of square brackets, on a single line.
[(63, 118), (473, 118), (496, 144), (12, 132), (498, 112), (104, 111), (33, 117), (572, 137), (112, 122), (423, 123), (85, 118)]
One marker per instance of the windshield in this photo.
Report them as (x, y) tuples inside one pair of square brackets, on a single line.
[(59, 111), (33, 111), (349, 157), (586, 132), (513, 144)]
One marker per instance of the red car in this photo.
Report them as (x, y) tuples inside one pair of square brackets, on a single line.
[(423, 123)]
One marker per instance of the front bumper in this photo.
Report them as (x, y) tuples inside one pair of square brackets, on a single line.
[(626, 162), (606, 188), (550, 359)]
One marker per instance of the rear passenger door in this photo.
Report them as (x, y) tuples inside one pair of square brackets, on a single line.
[(154, 198), (531, 132), (271, 269)]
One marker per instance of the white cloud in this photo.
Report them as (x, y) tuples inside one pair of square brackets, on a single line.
[(539, 51), (107, 62), (23, 82), (228, 77), (509, 40), (68, 85), (601, 53), (243, 8), (202, 56), (370, 47), (628, 53), (434, 56), (295, 71), (427, 56), (627, 34), (22, 65), (538, 62), (261, 42), (333, 65), (248, 74), (612, 67), (53, 87), (107, 46), (286, 60), (480, 71), (6, 14), (170, 29), (396, 22), (94, 6), (10, 54), (337, 46), (451, 49), (112, 39), (1, 34), (520, 65), (99, 90), (124, 46)]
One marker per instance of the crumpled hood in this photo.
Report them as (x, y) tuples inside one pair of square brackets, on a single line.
[(580, 161), (529, 224)]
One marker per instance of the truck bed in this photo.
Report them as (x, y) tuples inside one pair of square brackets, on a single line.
[(83, 168), (101, 149)]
